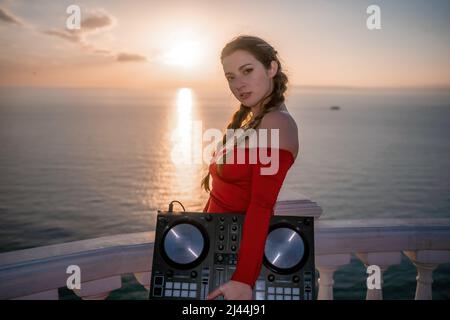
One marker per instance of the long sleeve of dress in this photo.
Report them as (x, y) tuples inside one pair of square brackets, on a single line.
[(264, 194)]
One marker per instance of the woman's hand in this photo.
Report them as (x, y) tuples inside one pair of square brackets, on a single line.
[(232, 290)]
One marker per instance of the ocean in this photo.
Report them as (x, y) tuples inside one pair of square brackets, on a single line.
[(84, 163)]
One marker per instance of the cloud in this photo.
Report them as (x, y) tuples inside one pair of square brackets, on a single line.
[(102, 51), (9, 18), (71, 36), (97, 20), (127, 57), (93, 22)]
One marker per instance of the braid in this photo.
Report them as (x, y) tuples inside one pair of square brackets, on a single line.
[(235, 123), (238, 117)]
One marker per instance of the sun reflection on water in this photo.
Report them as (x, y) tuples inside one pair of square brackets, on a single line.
[(186, 173)]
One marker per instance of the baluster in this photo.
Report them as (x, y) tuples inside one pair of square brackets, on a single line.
[(327, 265), (143, 278), (383, 260), (426, 261)]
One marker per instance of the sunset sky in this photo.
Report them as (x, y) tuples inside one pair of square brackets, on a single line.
[(177, 43)]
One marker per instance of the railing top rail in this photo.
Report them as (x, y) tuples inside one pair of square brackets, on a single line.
[(75, 247), (344, 229)]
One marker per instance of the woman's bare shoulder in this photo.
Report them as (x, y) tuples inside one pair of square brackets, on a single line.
[(278, 119), (288, 130)]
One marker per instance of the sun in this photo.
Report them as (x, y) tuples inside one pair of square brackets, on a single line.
[(184, 54)]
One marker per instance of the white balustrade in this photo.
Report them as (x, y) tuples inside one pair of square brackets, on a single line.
[(37, 273), (143, 278), (426, 261)]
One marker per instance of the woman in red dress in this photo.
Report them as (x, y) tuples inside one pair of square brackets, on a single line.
[(256, 79)]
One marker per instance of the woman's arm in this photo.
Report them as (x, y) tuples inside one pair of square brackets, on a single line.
[(264, 194)]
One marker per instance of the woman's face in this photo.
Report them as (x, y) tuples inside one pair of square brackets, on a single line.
[(247, 78)]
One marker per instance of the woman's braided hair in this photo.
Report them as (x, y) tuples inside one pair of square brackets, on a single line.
[(265, 54)]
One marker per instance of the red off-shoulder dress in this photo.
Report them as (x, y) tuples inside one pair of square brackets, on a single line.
[(243, 187)]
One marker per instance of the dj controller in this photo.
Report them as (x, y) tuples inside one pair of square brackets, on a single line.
[(196, 252)]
